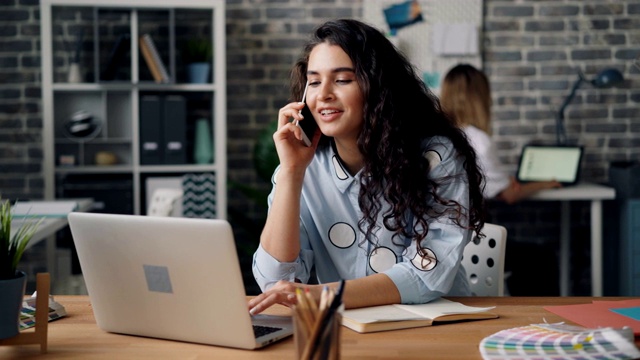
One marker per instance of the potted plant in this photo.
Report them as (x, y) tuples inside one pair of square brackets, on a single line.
[(197, 54), (12, 281)]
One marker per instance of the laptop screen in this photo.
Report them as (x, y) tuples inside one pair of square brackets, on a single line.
[(544, 163)]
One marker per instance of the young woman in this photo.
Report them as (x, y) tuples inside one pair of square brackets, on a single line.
[(388, 192), (466, 95)]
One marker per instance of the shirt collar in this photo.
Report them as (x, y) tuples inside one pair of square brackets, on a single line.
[(341, 177)]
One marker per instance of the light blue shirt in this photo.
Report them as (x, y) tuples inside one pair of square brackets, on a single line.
[(331, 240)]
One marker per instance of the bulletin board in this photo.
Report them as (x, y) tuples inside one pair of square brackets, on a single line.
[(449, 33)]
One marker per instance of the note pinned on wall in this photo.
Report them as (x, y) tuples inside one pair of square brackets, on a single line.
[(455, 39)]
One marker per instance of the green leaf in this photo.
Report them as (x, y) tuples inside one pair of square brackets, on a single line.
[(12, 248)]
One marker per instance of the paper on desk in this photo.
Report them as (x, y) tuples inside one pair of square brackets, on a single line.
[(633, 312), (599, 314), (43, 208)]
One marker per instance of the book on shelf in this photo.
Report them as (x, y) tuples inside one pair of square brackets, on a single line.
[(399, 316), (152, 58), (116, 56)]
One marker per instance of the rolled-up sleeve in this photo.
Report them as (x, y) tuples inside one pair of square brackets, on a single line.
[(267, 270)]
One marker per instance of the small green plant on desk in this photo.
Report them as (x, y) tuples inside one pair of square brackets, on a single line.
[(12, 282), (12, 248)]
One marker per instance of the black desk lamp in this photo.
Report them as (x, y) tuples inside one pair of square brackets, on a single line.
[(605, 79)]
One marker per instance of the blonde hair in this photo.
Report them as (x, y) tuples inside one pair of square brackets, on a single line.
[(466, 96)]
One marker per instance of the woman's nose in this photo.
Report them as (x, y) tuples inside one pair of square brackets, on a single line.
[(325, 91)]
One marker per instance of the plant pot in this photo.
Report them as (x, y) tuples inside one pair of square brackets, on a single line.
[(11, 296), (198, 73)]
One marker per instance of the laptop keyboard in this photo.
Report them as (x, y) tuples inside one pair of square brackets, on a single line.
[(260, 330)]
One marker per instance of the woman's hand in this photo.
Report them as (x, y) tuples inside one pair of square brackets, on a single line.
[(288, 138), (283, 292), (517, 191)]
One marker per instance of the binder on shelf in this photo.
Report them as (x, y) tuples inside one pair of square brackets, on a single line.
[(153, 59), (151, 130), (118, 53), (174, 117)]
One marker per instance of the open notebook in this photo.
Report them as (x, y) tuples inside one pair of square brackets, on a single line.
[(169, 278)]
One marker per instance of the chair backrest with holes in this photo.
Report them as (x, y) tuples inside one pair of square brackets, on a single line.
[(483, 261)]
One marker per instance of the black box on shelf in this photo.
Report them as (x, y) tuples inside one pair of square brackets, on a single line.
[(174, 118), (151, 130)]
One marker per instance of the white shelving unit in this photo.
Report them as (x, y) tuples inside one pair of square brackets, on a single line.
[(116, 102)]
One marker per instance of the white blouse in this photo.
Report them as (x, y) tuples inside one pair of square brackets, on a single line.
[(496, 179)]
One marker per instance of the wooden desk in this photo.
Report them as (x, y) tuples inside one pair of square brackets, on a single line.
[(588, 192), (77, 336)]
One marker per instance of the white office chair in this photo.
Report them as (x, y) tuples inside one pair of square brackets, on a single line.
[(484, 261)]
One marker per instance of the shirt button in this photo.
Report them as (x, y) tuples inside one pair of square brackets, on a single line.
[(292, 270)]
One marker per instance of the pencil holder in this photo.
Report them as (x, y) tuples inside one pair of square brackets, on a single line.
[(327, 340)]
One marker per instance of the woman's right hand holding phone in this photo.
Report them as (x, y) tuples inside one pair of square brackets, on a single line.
[(292, 152)]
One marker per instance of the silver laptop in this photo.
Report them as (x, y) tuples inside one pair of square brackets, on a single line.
[(169, 278)]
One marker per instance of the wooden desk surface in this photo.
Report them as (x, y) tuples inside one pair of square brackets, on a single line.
[(77, 336)]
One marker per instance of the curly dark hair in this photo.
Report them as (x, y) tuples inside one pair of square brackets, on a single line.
[(400, 112)]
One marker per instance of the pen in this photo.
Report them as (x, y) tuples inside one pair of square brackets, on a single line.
[(311, 303), (321, 323), (302, 308)]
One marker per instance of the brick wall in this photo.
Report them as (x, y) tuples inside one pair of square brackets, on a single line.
[(532, 50), (20, 117)]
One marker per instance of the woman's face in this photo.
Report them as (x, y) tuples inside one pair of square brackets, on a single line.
[(334, 96)]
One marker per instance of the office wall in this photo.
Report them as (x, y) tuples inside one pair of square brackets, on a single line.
[(20, 117), (531, 52)]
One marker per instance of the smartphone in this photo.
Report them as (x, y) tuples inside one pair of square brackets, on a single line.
[(308, 124)]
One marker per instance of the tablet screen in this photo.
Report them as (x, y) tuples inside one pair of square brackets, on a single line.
[(543, 163)]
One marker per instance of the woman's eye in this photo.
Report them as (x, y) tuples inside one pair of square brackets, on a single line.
[(346, 81)]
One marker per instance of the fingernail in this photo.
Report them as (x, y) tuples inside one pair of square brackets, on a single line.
[(252, 311)]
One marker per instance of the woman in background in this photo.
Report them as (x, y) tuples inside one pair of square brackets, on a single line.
[(466, 96), (388, 193)]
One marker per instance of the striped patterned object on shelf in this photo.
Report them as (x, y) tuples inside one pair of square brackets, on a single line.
[(199, 199)]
